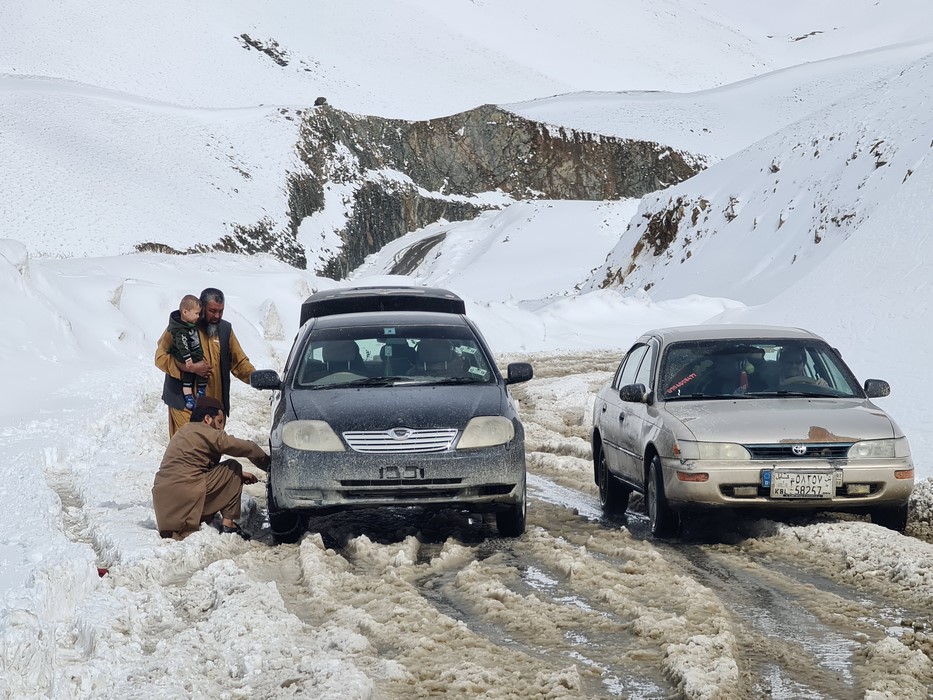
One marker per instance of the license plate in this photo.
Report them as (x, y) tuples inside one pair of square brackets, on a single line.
[(794, 484), (401, 473)]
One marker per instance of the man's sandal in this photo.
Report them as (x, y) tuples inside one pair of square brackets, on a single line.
[(235, 530)]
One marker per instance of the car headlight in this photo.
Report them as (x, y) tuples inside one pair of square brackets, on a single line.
[(313, 435), (880, 449), (486, 431), (720, 451)]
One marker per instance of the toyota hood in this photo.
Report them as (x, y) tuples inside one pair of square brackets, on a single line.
[(799, 420), (382, 408)]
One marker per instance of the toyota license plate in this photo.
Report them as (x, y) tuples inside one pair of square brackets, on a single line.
[(794, 484)]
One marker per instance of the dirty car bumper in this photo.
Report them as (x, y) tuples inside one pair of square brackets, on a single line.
[(746, 484), (484, 479)]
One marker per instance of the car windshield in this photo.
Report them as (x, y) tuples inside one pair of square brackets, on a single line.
[(385, 355), (749, 368)]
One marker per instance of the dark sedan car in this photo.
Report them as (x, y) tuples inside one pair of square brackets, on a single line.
[(390, 397)]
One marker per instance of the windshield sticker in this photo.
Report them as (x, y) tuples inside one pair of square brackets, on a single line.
[(478, 371), (388, 331), (467, 349), (686, 380)]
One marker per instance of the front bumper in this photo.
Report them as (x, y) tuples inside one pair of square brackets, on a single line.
[(745, 484), (486, 479)]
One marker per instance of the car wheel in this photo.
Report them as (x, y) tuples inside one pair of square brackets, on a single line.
[(511, 522), (661, 519), (613, 494), (286, 525), (891, 517)]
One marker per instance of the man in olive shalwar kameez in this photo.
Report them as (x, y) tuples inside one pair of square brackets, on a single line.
[(192, 484)]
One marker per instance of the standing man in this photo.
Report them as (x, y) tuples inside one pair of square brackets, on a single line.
[(223, 356), (192, 484)]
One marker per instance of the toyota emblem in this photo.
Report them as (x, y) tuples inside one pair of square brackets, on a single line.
[(400, 433), (799, 450)]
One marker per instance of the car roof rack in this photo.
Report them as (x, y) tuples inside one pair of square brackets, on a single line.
[(354, 300)]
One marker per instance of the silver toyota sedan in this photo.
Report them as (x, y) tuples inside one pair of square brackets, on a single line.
[(754, 417)]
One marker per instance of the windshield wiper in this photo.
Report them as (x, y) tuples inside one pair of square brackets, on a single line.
[(458, 380), (377, 381), (365, 381), (700, 396)]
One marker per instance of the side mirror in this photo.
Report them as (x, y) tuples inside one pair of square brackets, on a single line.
[(634, 393), (876, 388), (518, 372), (265, 379)]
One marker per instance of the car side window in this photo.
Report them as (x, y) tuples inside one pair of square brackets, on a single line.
[(629, 368), (643, 376)]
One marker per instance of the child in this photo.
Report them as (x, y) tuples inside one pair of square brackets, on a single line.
[(186, 345)]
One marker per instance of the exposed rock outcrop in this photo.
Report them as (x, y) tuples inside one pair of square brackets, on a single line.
[(405, 175), (382, 178)]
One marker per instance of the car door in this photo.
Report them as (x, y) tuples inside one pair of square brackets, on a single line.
[(638, 425), (613, 412)]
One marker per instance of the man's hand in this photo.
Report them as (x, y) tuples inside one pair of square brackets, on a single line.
[(202, 369), (248, 478)]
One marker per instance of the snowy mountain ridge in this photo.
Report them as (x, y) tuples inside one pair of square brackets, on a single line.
[(780, 208)]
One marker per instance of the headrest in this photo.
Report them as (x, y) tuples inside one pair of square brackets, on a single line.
[(397, 350), (431, 350), (340, 351)]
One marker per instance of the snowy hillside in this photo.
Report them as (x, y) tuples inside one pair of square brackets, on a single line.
[(166, 126), (781, 208), (416, 58)]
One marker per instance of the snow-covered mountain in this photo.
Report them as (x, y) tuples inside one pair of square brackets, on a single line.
[(781, 208), (175, 127)]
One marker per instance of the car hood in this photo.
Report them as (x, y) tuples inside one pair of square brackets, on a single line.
[(382, 408), (763, 421)]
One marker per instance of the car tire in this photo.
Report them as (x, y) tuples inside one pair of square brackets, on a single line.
[(891, 517), (613, 494), (511, 522), (286, 525), (662, 520)]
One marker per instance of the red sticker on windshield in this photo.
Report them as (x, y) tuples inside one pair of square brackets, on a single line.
[(686, 380)]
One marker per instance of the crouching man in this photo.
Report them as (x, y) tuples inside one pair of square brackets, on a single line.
[(192, 484)]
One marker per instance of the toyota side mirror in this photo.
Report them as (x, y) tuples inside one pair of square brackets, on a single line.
[(265, 379), (876, 388), (518, 372)]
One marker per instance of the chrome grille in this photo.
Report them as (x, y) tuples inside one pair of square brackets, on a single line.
[(401, 440), (815, 450)]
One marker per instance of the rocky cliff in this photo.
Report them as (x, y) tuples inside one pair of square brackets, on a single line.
[(365, 181)]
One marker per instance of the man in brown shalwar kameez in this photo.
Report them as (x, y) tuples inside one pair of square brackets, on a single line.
[(192, 484)]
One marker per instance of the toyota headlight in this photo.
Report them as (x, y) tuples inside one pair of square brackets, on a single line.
[(312, 435), (880, 449), (718, 451), (486, 431)]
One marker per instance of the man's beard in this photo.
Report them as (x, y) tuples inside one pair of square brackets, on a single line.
[(212, 329)]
